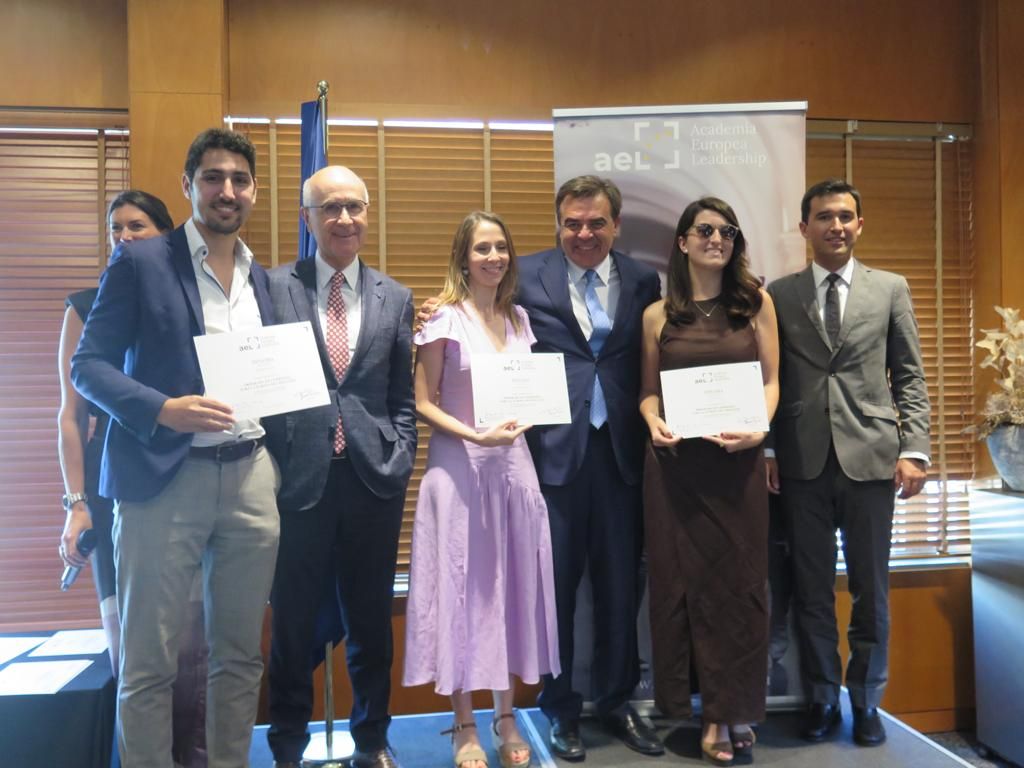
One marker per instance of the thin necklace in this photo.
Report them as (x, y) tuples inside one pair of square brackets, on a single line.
[(714, 306)]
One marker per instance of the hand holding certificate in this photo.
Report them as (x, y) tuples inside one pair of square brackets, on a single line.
[(714, 399), (260, 372), (531, 389)]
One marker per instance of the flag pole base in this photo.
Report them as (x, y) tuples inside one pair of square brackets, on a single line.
[(319, 755), (328, 749)]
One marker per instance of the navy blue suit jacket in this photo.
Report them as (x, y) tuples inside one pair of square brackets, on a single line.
[(558, 450), (137, 352)]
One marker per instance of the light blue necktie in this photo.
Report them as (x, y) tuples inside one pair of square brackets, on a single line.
[(602, 326)]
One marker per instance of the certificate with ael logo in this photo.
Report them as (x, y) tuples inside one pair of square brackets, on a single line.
[(529, 388), (712, 399), (263, 371)]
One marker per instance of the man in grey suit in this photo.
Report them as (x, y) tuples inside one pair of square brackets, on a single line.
[(850, 431), (345, 468)]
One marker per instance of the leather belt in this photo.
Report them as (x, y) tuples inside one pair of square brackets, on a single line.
[(227, 452)]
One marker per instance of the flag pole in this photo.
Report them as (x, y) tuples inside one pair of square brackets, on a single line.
[(327, 757), (321, 88), (313, 156)]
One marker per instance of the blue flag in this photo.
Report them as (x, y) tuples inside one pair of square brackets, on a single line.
[(313, 158)]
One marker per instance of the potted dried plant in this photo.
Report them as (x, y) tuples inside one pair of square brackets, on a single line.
[(1002, 420)]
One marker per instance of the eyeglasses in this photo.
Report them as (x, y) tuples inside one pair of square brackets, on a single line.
[(727, 231), (334, 209)]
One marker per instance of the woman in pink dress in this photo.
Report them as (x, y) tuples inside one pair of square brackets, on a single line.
[(481, 607)]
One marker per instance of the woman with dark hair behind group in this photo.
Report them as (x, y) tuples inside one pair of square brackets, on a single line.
[(705, 499), (132, 215)]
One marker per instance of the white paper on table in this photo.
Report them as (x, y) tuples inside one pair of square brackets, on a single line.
[(12, 647), (263, 371), (73, 642), (35, 677), (529, 388), (708, 400)]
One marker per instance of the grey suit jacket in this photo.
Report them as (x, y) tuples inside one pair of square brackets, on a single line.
[(375, 397), (867, 396)]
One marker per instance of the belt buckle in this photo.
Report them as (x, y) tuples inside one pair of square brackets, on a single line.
[(229, 452)]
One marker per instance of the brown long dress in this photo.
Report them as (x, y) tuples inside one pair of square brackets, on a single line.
[(706, 529)]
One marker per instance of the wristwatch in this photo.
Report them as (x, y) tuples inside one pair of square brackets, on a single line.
[(70, 499)]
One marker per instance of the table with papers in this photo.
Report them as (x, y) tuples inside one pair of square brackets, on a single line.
[(57, 697)]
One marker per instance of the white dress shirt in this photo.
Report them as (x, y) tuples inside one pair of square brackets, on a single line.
[(842, 286), (224, 313), (349, 292)]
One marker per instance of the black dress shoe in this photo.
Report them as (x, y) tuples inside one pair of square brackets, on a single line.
[(565, 739), (634, 732), (381, 758), (821, 721), (868, 730)]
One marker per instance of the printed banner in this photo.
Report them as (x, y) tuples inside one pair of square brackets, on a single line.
[(663, 158)]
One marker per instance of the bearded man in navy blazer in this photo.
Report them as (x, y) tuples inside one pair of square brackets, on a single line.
[(590, 469), (345, 468), (194, 485)]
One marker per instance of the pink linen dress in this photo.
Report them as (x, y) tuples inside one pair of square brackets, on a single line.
[(481, 591)]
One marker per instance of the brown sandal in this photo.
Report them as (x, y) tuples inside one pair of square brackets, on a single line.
[(468, 752), (507, 748), (743, 742), (711, 752)]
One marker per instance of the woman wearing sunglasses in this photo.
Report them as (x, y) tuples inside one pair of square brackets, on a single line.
[(706, 499)]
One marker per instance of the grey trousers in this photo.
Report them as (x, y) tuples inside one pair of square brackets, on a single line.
[(221, 518)]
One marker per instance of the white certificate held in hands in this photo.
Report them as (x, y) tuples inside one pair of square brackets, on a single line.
[(263, 371), (528, 388), (708, 400)]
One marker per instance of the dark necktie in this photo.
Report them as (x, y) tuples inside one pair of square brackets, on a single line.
[(833, 321), (337, 343), (602, 326)]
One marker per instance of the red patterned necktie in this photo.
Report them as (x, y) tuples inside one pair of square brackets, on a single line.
[(337, 343)]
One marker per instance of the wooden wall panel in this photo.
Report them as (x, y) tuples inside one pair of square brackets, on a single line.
[(493, 59), (931, 684), (177, 46), (67, 53), (998, 194), (1011, 146), (931, 647), (177, 53)]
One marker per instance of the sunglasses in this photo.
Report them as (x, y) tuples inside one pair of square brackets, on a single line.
[(727, 231)]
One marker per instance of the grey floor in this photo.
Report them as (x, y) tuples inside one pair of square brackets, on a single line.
[(966, 746), (419, 744)]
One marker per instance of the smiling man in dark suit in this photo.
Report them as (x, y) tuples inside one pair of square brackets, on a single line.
[(851, 429), (345, 468), (586, 301), (194, 485)]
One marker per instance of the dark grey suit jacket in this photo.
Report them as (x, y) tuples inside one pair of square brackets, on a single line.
[(868, 396), (375, 397)]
